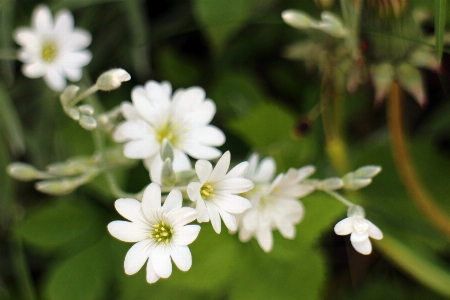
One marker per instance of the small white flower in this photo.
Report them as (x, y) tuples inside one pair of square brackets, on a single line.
[(274, 205), (216, 193), (183, 119), (160, 233), (360, 229), (53, 50)]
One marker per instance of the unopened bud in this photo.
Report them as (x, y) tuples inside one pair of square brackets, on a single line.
[(332, 25), (72, 112), (68, 94), (367, 171), (23, 171), (297, 19), (166, 150), (382, 78), (167, 174), (112, 79), (86, 109), (57, 187), (88, 122), (410, 79), (330, 184)]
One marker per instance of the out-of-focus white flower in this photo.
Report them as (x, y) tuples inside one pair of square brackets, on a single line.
[(359, 228), (183, 119), (53, 50), (160, 233), (216, 193), (274, 205)]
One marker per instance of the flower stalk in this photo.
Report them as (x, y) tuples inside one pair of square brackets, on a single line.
[(407, 172)]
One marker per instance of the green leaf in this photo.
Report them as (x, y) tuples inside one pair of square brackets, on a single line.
[(268, 130), (83, 276), (10, 122), (221, 19), (425, 267), (439, 26), (57, 225)]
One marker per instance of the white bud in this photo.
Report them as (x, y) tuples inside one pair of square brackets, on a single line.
[(57, 187), (298, 19), (332, 25), (86, 109), (72, 112), (367, 171), (68, 94), (167, 175), (330, 184), (112, 79), (88, 122), (360, 178)]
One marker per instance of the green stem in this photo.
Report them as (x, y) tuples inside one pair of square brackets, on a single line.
[(83, 95), (167, 189), (340, 198)]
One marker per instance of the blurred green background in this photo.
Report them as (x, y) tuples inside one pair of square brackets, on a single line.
[(59, 248)]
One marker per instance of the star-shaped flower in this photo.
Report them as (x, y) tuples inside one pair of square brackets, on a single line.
[(183, 119), (216, 195), (53, 50), (160, 233), (360, 229)]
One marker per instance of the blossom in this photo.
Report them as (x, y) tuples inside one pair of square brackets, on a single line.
[(53, 50), (160, 233), (182, 118), (359, 228), (274, 204), (216, 193)]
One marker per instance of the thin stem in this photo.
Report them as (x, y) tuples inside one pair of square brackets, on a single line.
[(22, 272), (420, 196), (83, 95), (340, 198)]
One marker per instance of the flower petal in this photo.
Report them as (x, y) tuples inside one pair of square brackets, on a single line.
[(182, 216), (186, 234), (42, 19), (221, 168), (363, 247), (286, 228), (132, 130), (151, 202), (214, 216), (161, 261), (34, 70), (264, 237), (232, 203), (127, 231), (359, 237), (202, 211), (182, 257), (207, 135), (344, 227), (55, 80), (193, 191), (129, 208), (173, 201), (203, 168), (265, 171), (229, 220), (151, 275), (374, 231), (140, 149), (234, 185), (245, 235), (136, 256), (239, 170), (199, 151)]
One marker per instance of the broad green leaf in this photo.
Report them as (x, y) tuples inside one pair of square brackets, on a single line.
[(439, 26), (268, 129), (59, 224), (10, 122), (221, 19), (83, 276)]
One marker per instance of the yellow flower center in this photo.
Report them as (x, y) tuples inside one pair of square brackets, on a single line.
[(168, 131), (162, 233), (49, 51), (206, 191)]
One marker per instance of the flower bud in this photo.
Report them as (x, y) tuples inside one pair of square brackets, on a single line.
[(297, 19), (86, 109), (68, 94), (330, 184), (332, 25), (167, 175), (57, 187), (367, 171), (23, 171), (166, 150), (88, 122), (112, 79), (410, 79), (382, 78), (72, 112)]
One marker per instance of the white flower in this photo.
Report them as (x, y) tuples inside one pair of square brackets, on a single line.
[(53, 50), (215, 194), (274, 205), (360, 229), (183, 119), (160, 233)]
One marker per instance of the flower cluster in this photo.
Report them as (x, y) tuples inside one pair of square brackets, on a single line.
[(165, 130)]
